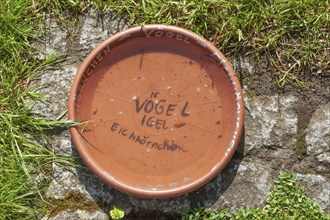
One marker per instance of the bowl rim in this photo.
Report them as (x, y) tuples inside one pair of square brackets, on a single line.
[(219, 58)]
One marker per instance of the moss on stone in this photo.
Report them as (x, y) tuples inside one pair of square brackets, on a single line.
[(72, 201), (301, 146)]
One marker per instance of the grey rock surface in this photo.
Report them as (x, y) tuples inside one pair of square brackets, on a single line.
[(318, 134), (267, 146), (98, 27), (56, 84), (54, 40), (271, 122), (79, 215), (249, 187), (318, 188), (64, 183)]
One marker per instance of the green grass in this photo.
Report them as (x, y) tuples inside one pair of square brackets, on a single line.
[(287, 201), (292, 35), (25, 164)]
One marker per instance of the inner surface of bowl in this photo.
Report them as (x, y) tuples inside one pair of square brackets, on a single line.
[(160, 111)]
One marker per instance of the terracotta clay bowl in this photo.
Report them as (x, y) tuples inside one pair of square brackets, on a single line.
[(161, 111)]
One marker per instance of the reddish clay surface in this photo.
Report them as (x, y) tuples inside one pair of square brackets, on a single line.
[(162, 111)]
